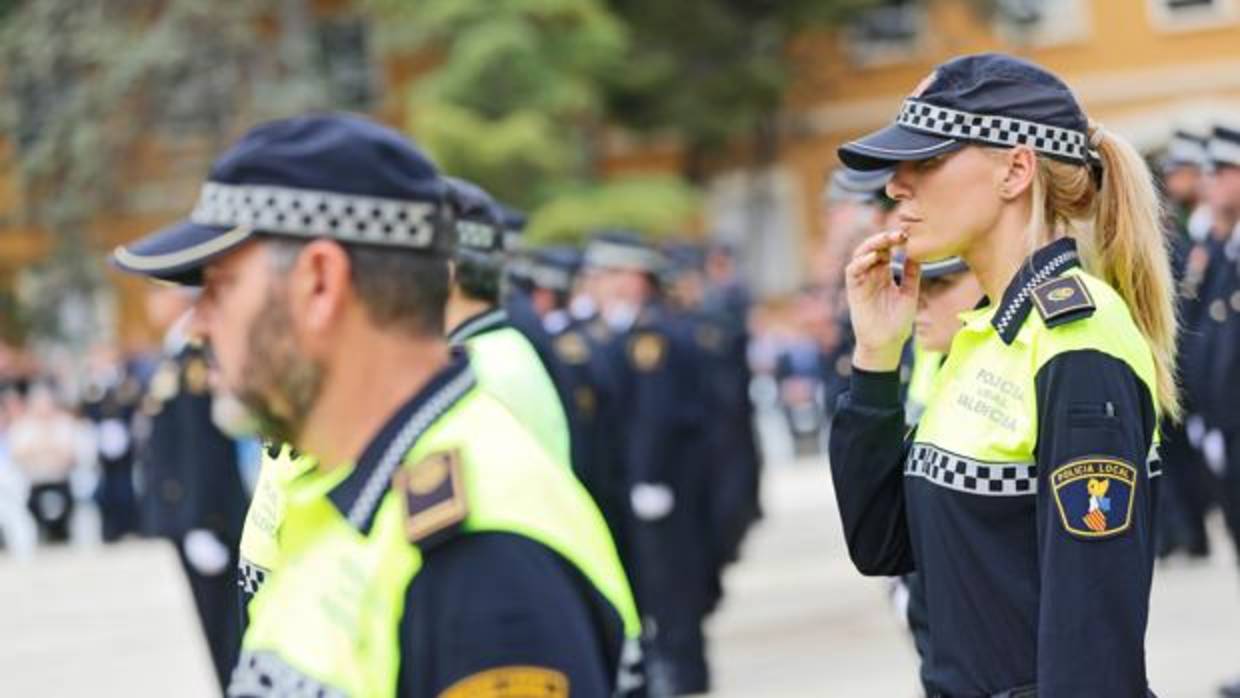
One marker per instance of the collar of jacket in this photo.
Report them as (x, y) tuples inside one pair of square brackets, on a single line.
[(358, 495), (486, 321), (1040, 267)]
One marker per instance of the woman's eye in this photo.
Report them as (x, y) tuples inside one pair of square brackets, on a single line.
[(929, 163)]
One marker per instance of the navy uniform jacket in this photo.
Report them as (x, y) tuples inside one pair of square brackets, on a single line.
[(493, 599), (1014, 597), (735, 461), (664, 410), (587, 383), (1212, 315), (188, 466)]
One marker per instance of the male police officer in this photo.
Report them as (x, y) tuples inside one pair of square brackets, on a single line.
[(723, 343), (506, 363), (584, 378), (434, 549), (1183, 496), (663, 408), (192, 493)]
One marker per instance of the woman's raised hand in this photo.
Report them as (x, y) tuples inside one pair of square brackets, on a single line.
[(881, 311)]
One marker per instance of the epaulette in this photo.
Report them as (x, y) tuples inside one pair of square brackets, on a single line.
[(435, 500), (1062, 300), (571, 348)]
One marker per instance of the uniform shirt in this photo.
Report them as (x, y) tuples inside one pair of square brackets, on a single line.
[(479, 606), (1024, 497)]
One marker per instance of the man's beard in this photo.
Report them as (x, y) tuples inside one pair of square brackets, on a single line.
[(279, 384)]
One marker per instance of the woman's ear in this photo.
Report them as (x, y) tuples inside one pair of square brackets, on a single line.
[(1021, 167)]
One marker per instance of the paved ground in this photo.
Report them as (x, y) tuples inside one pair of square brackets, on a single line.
[(798, 622)]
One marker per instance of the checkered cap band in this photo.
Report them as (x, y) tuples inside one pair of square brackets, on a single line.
[(472, 235), (250, 577), (310, 213), (262, 674), (973, 476), (1222, 151), (1003, 131)]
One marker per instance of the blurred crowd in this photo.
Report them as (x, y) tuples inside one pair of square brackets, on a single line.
[(71, 431)]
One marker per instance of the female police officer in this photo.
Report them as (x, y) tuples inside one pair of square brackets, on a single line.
[(1024, 496)]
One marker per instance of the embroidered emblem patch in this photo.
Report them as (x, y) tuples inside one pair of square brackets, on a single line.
[(647, 351), (434, 491), (1063, 300), (196, 376), (511, 682), (1094, 496), (571, 348)]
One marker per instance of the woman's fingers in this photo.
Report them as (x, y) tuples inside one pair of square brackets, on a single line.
[(881, 241), (860, 266)]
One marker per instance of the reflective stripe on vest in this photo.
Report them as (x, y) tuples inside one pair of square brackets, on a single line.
[(979, 431)]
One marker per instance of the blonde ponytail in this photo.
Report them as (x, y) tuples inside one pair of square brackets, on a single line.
[(1124, 246)]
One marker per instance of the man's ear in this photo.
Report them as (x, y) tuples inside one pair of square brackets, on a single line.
[(1021, 168), (319, 286)]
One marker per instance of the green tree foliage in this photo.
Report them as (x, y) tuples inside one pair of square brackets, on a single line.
[(85, 84), (515, 103), (712, 71)]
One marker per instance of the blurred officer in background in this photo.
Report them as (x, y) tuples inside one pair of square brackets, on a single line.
[(735, 463), (664, 410), (505, 362), (1212, 357), (1214, 368), (191, 486), (110, 401), (585, 380), (434, 549), (1185, 488)]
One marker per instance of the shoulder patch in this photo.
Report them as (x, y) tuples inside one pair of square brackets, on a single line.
[(166, 383), (434, 494), (196, 375), (572, 348), (1094, 496), (647, 351), (511, 682), (1063, 300)]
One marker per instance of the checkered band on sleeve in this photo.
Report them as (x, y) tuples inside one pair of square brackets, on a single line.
[(250, 577), (972, 476), (265, 674), (310, 213), (996, 130)]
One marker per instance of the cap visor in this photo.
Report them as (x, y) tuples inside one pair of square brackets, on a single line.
[(893, 144), (178, 253)]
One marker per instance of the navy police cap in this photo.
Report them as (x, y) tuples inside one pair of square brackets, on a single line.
[(322, 175), (1224, 147), (479, 218), (859, 186), (1184, 150), (623, 250), (554, 268), (989, 99)]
